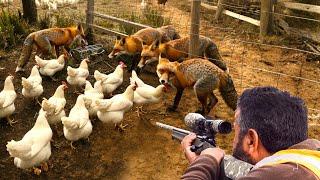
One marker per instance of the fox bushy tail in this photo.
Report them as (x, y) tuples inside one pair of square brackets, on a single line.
[(214, 56), (26, 51), (228, 92)]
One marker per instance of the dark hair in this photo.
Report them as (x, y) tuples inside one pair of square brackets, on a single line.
[(279, 118)]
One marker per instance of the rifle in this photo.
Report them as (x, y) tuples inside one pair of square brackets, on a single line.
[(232, 167)]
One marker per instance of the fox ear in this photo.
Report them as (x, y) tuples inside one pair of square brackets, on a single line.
[(144, 43), (118, 37), (79, 27), (123, 41), (155, 44)]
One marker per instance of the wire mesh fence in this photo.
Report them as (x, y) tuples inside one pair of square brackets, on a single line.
[(251, 63), (281, 63)]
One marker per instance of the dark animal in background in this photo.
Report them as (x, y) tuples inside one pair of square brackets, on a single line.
[(162, 2)]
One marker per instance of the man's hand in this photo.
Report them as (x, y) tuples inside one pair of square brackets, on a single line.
[(217, 153), (186, 144)]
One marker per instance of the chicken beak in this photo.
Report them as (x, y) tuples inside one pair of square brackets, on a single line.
[(65, 86), (123, 65), (135, 86)]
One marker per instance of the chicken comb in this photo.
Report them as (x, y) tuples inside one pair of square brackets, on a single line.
[(64, 83)]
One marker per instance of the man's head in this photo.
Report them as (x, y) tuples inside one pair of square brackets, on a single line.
[(267, 120)]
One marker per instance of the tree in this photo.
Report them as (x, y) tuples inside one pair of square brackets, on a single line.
[(29, 10)]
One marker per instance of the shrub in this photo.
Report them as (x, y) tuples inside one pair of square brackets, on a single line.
[(154, 18), (12, 29)]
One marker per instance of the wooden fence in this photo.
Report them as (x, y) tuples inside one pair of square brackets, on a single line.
[(264, 24)]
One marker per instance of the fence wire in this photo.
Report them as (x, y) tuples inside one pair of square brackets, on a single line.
[(251, 63)]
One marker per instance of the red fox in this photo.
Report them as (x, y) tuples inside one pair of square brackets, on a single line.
[(177, 50), (133, 43), (47, 41), (203, 76)]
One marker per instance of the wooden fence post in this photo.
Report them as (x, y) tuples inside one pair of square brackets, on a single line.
[(89, 21), (29, 11), (266, 20), (219, 10), (194, 29)]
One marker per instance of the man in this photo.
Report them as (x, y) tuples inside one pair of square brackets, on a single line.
[(270, 133)]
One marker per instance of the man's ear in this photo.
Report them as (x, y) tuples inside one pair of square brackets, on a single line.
[(252, 140)]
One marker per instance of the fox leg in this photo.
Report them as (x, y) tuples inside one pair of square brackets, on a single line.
[(203, 100), (44, 45), (202, 89), (213, 101), (135, 61), (214, 56), (54, 50), (176, 101)]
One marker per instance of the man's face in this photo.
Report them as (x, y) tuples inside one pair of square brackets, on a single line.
[(239, 150)]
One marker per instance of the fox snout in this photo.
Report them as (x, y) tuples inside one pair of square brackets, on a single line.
[(141, 63), (164, 78), (111, 55), (162, 81)]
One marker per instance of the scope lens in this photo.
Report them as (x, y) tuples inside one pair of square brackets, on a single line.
[(224, 127)]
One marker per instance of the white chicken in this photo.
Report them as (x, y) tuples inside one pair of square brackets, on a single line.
[(7, 98), (78, 76), (6, 1), (34, 148), (90, 95), (50, 67), (112, 110), (111, 81), (143, 5), (77, 125), (145, 93), (54, 106), (32, 86)]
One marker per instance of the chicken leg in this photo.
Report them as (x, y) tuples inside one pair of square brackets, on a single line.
[(44, 166), (121, 127), (53, 79), (37, 101), (11, 121), (71, 144), (140, 110), (36, 171)]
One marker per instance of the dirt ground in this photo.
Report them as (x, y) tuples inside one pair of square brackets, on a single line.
[(144, 151)]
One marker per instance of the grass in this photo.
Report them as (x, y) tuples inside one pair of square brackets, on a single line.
[(155, 18), (130, 29), (12, 29), (149, 16)]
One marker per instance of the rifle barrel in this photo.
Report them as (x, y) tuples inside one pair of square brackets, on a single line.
[(171, 128)]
